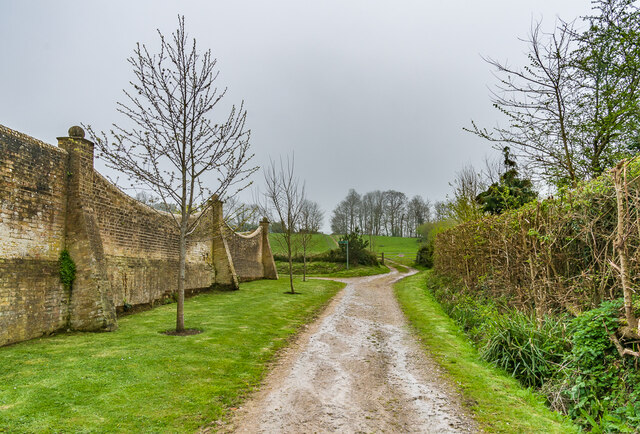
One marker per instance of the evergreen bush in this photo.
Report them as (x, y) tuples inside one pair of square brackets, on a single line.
[(424, 256)]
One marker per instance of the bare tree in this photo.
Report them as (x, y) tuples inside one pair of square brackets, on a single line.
[(418, 212), (347, 215), (394, 208), (340, 219), (156, 203), (174, 146), (493, 169), (366, 214), (284, 199), (536, 101), (352, 205), (240, 216), (440, 210), (466, 187), (573, 110), (378, 199), (311, 217)]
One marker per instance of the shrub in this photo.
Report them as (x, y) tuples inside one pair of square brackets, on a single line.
[(557, 251), (571, 360), (294, 258), (470, 311), (67, 269), (424, 256), (339, 255), (512, 340), (358, 253), (530, 352), (603, 388), (335, 255)]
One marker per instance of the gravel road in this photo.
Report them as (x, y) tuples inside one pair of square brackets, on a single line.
[(358, 368)]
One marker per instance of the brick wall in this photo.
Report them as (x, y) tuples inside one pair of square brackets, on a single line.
[(246, 254), (51, 198), (141, 248), (251, 254), (32, 223)]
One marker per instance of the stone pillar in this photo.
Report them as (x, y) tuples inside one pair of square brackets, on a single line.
[(80, 168), (91, 305), (269, 265), (225, 273)]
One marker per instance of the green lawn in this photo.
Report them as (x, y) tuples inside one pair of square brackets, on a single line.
[(137, 379), (329, 269), (398, 249), (498, 401), (319, 243)]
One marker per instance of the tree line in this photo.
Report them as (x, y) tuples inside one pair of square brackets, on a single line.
[(377, 212)]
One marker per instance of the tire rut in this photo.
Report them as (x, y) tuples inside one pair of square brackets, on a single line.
[(358, 368)]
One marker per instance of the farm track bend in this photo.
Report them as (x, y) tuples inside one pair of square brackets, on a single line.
[(358, 368)]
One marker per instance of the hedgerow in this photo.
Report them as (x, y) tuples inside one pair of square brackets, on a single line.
[(545, 291), (550, 256)]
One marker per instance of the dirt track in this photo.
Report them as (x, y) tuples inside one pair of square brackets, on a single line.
[(358, 368)]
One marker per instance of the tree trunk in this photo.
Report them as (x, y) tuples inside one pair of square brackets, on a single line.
[(620, 246), (290, 262), (304, 263), (181, 278)]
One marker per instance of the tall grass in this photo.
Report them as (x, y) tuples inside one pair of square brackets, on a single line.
[(498, 401), (570, 359), (529, 350)]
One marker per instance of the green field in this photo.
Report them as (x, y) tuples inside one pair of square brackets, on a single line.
[(399, 249), (139, 380), (319, 243), (329, 269), (499, 402)]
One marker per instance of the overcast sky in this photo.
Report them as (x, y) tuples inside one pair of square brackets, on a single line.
[(369, 94)]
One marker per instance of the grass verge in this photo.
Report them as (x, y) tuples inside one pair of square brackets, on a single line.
[(401, 268), (500, 404), (139, 380), (330, 269)]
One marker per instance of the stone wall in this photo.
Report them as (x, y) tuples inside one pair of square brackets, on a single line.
[(141, 248), (32, 232), (125, 252), (251, 254)]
